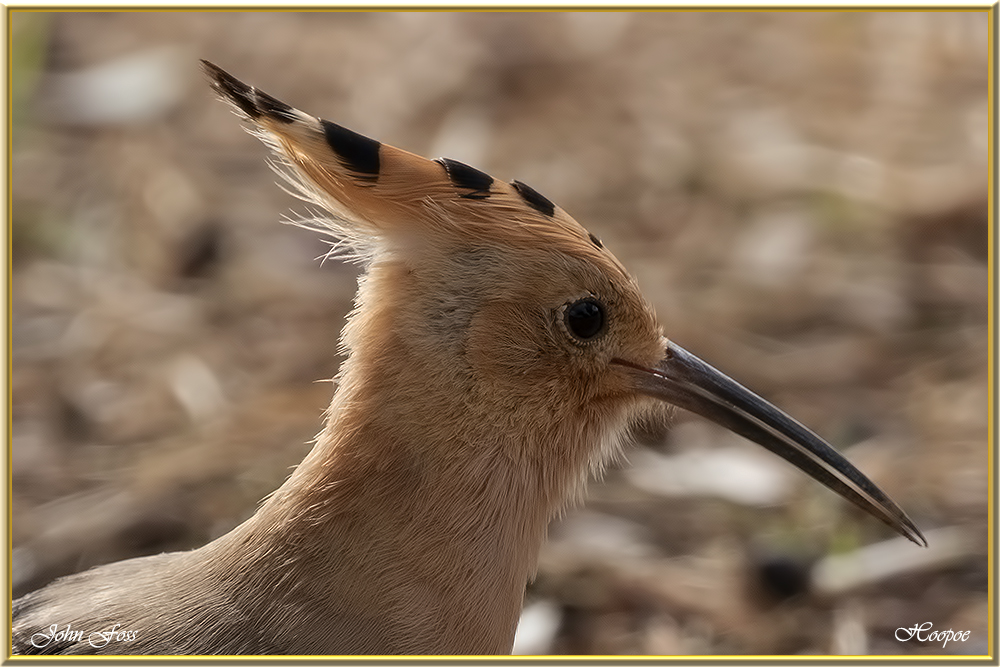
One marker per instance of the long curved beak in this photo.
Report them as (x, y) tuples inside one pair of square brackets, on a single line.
[(688, 382)]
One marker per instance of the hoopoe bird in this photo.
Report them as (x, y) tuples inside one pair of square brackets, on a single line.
[(496, 357)]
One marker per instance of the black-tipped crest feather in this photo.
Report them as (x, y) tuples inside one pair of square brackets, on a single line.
[(464, 176), (357, 152), (534, 198), (232, 89)]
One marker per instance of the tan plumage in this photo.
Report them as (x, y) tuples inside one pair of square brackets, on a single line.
[(497, 355)]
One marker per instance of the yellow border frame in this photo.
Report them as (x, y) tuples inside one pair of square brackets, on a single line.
[(710, 659)]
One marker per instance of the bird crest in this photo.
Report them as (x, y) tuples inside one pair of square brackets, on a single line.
[(380, 193)]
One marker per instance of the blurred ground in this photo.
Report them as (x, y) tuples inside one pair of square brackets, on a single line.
[(803, 197)]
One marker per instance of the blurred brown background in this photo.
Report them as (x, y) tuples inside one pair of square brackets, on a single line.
[(802, 196)]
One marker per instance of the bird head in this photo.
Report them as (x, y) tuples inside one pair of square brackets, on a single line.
[(489, 318)]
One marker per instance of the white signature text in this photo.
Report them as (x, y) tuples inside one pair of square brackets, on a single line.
[(923, 634), (68, 634)]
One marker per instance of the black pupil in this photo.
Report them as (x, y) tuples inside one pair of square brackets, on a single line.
[(585, 318)]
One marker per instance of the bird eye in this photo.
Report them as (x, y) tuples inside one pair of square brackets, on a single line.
[(585, 318)]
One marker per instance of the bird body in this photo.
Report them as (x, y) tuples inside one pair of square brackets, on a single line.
[(495, 358)]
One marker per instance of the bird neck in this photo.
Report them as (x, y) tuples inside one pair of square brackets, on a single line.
[(431, 486), (440, 536)]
